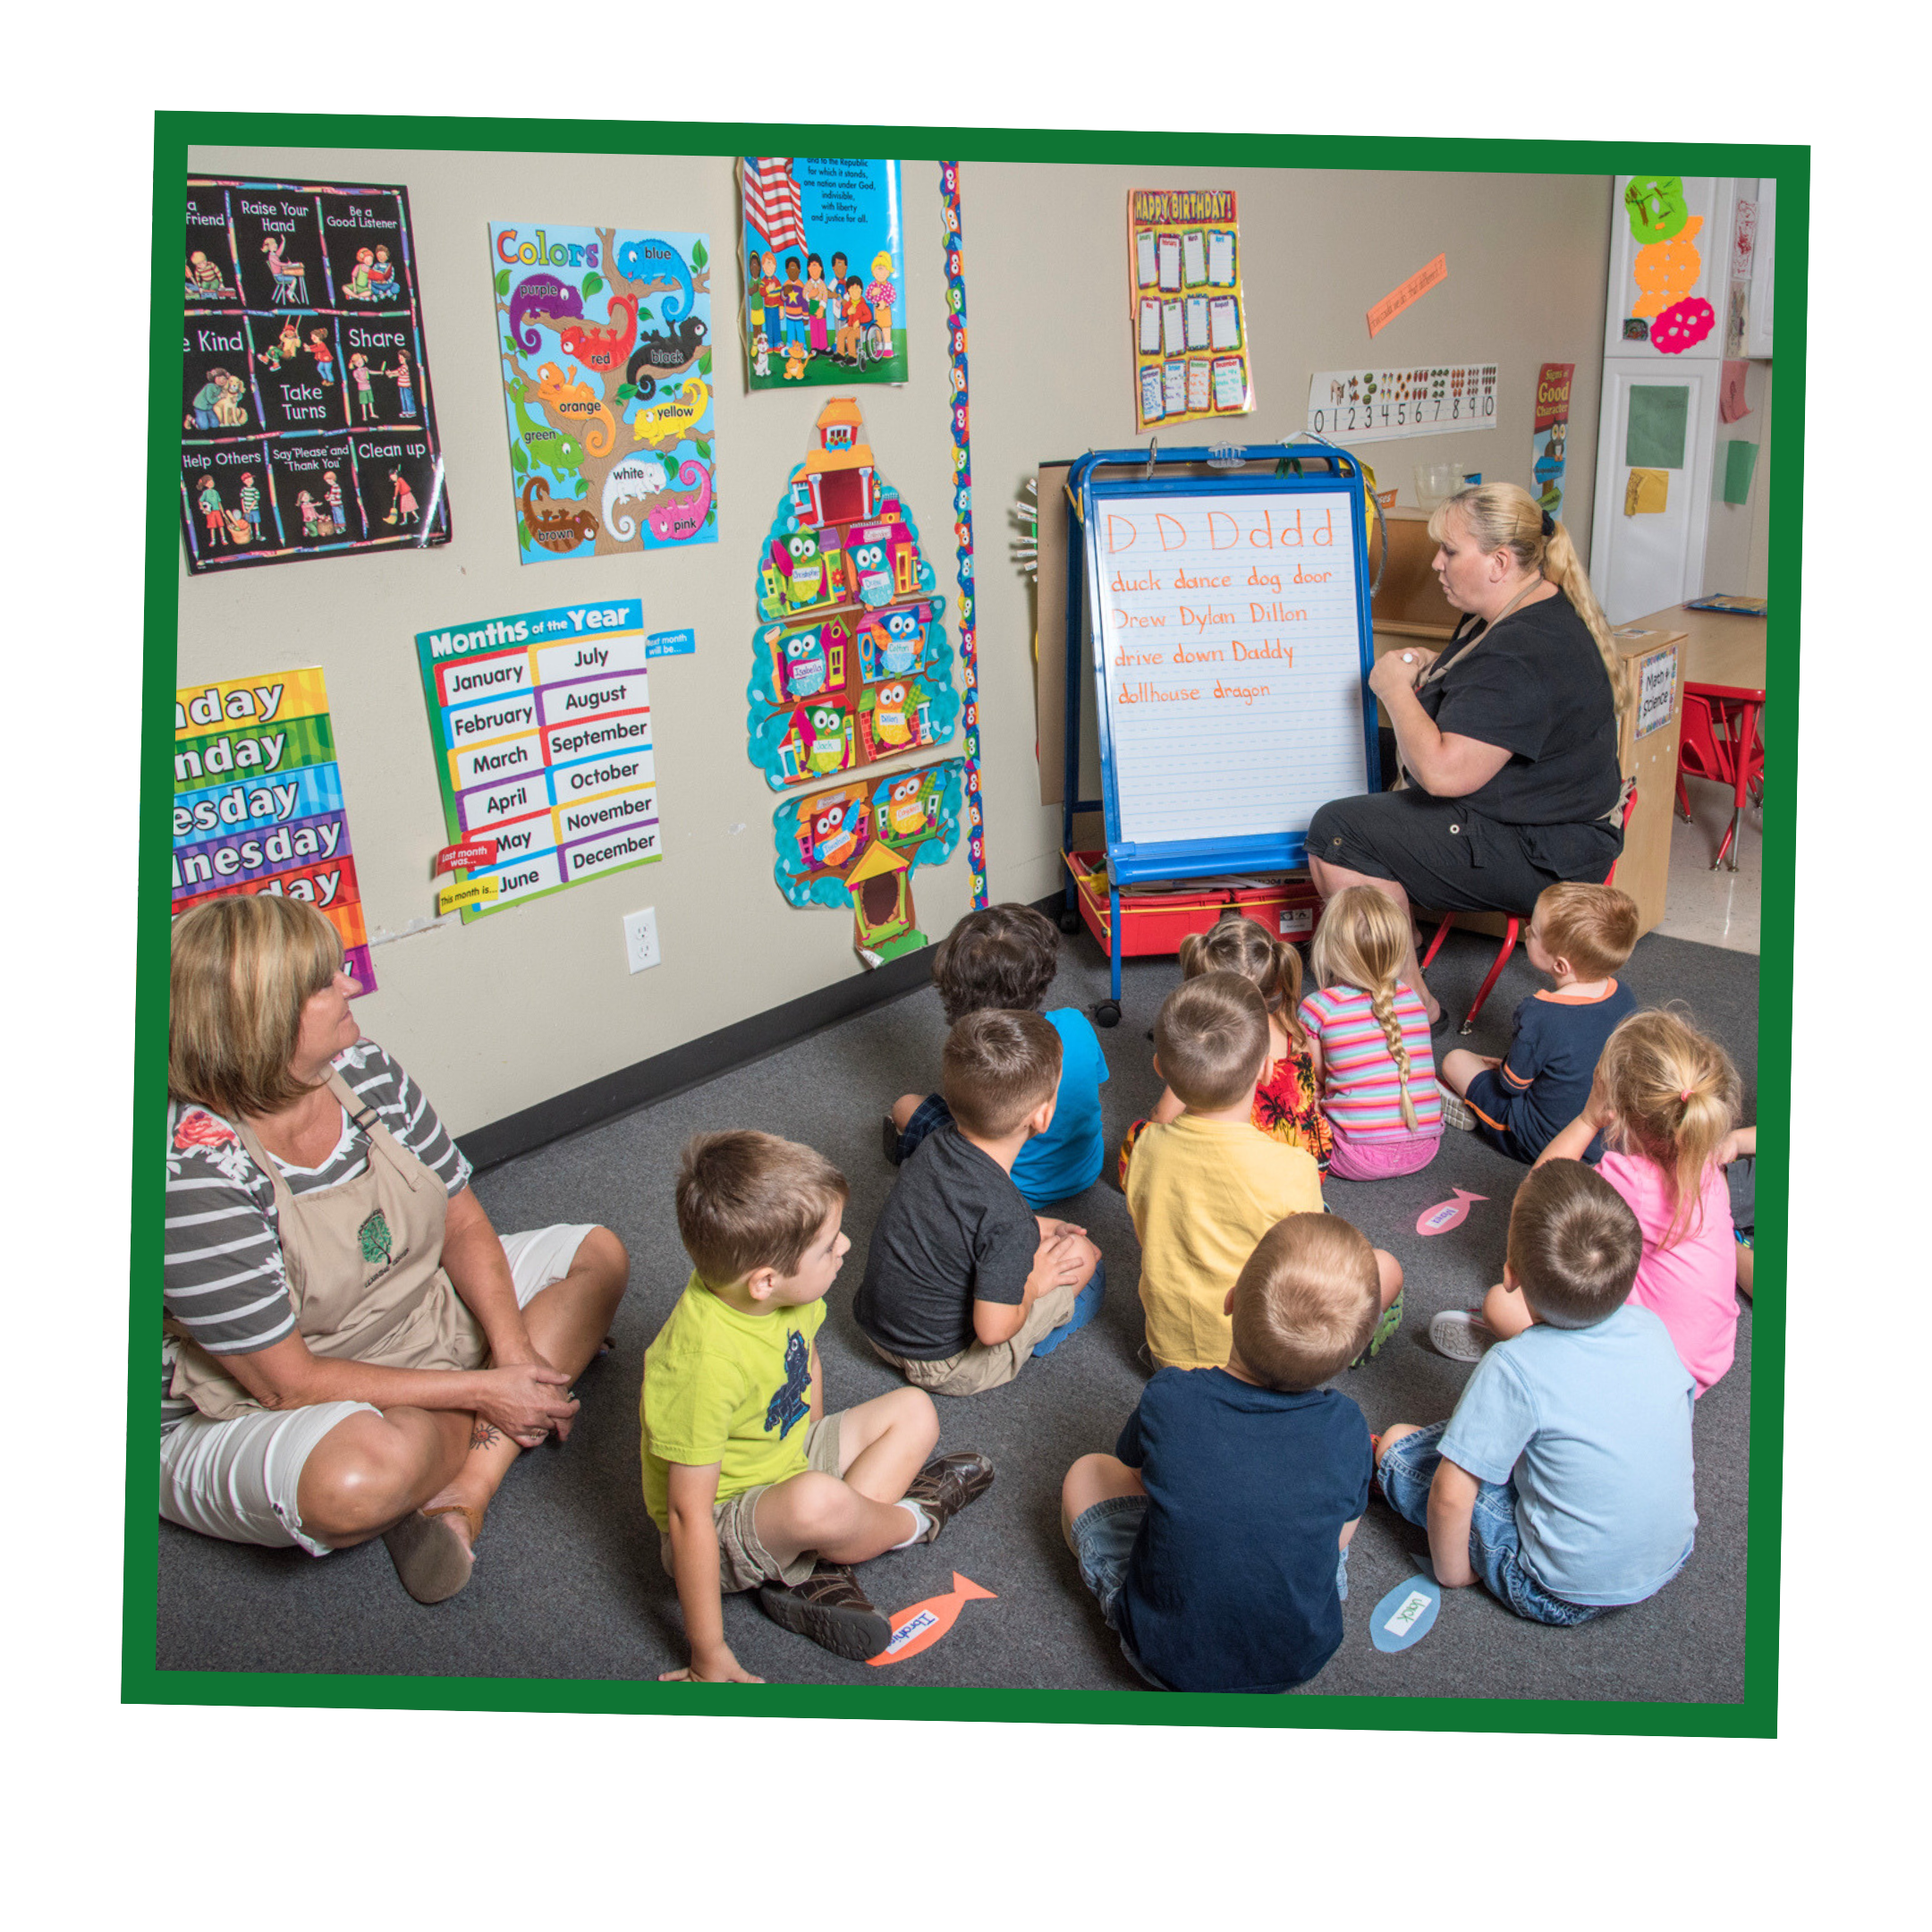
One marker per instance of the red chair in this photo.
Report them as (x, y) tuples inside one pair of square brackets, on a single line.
[(1512, 934), (1722, 740)]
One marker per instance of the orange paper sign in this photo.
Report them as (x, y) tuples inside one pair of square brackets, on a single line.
[(925, 1623), (1419, 283)]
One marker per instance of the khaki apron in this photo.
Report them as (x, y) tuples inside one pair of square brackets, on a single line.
[(364, 1270)]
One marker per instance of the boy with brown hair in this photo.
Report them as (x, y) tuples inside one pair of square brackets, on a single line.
[(751, 1485), (963, 1282), (1580, 935), (1204, 1189), (1216, 1537)]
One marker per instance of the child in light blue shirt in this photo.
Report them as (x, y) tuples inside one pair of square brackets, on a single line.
[(1564, 1480), (1005, 956)]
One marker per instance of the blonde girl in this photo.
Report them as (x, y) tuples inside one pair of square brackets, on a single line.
[(1287, 1104), (1665, 1100), (1370, 1037)]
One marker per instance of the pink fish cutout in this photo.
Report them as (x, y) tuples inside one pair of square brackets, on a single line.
[(1447, 1214), (925, 1623)]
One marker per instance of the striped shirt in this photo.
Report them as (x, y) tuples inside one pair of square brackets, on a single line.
[(1361, 1091), (223, 1278)]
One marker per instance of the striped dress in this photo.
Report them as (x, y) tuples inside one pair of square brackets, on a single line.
[(1361, 1092)]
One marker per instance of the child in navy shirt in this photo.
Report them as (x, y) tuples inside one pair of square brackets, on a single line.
[(1216, 1537), (1579, 936), (1005, 956)]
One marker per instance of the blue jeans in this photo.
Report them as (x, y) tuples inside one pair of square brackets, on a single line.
[(1104, 1537), (1408, 1468)]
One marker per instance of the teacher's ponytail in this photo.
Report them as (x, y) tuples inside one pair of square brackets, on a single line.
[(1504, 516)]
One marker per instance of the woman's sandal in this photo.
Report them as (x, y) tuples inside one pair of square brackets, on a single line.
[(428, 1555)]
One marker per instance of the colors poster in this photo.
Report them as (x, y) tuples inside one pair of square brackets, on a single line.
[(1550, 433), (258, 802), (604, 335), (823, 260), (307, 425), (541, 725), (1189, 313)]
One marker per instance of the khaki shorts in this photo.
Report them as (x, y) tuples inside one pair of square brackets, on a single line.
[(743, 1562), (982, 1368)]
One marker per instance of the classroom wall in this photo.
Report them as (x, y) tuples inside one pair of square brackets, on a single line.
[(514, 1009), (1737, 549)]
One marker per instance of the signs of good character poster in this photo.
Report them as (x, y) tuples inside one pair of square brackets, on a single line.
[(307, 425)]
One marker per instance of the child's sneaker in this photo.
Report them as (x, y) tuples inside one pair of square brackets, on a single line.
[(830, 1609), (1086, 1306), (1456, 1111), (1391, 1321), (1460, 1334), (945, 1486)]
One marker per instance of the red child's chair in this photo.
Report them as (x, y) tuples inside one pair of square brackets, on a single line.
[(1716, 729), (1512, 934)]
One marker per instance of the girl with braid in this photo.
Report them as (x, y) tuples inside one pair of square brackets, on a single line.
[(1370, 1037)]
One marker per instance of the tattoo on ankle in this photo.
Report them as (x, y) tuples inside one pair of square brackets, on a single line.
[(485, 1435)]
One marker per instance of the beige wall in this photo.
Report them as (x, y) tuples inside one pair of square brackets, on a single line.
[(528, 1003), (1737, 551)]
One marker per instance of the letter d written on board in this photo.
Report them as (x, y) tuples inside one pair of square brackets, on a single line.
[(1163, 523), (1325, 534), (1213, 541), (1114, 542)]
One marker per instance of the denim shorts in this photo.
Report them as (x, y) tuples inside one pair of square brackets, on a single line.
[(1407, 1470), (1103, 1539), (930, 1115)]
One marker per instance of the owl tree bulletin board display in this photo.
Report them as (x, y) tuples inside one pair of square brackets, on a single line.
[(606, 360), (307, 428), (859, 846), (1189, 313), (852, 664)]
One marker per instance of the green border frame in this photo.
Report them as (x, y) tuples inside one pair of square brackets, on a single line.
[(1755, 1715)]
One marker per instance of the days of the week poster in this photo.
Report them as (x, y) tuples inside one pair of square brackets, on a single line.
[(307, 425)]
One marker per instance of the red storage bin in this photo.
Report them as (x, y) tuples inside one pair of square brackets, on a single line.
[(1155, 922)]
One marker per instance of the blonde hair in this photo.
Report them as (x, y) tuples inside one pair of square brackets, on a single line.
[(1237, 944), (1307, 1300), (1593, 927), (749, 1200), (1362, 942), (1212, 1040), (1675, 1094), (1504, 516), (241, 969)]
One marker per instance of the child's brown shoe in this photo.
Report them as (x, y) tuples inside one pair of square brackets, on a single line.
[(831, 1609), (947, 1484)]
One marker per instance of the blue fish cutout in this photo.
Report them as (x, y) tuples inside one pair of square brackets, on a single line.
[(1406, 1615)]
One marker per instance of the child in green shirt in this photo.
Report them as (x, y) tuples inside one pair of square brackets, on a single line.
[(751, 1485)]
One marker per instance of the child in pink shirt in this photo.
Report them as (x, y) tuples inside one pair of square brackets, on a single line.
[(1665, 1099)]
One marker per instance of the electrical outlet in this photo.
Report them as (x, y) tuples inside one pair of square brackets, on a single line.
[(640, 938)]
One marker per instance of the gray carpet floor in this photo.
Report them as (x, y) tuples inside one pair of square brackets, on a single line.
[(569, 1584)]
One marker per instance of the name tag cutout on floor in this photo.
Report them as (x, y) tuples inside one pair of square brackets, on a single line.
[(925, 1623), (1447, 1214), (1406, 1615)]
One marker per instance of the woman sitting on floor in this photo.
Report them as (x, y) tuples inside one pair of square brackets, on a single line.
[(349, 1349)]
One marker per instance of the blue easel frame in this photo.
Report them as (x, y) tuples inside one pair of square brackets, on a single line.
[(1132, 863)]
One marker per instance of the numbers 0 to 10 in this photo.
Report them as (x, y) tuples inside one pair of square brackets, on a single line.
[(1395, 415)]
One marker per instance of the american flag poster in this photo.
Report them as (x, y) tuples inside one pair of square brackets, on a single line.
[(824, 261)]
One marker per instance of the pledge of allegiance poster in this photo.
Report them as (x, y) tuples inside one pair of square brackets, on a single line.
[(307, 428), (824, 272), (258, 803), (1189, 315), (606, 360)]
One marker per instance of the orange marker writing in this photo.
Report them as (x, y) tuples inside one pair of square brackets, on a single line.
[(925, 1623)]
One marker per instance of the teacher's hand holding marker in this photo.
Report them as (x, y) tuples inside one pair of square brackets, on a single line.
[(1399, 670)]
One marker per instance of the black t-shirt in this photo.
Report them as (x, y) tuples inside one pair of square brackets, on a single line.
[(954, 1231), (1535, 686), (1232, 1582)]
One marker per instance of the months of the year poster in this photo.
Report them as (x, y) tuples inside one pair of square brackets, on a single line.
[(1375, 405), (307, 427)]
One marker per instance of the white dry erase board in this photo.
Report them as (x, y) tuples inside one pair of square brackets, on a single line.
[(1231, 641)]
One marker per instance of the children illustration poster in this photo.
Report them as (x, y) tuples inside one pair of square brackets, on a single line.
[(851, 663), (307, 424), (824, 272), (604, 335), (1550, 433), (1186, 306), (258, 801)]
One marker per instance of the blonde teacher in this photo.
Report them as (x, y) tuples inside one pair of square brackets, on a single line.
[(348, 1348), (1507, 738)]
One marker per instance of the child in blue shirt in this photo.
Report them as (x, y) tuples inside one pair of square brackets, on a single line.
[(1216, 1537), (1564, 1480), (1005, 956), (1578, 936)]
